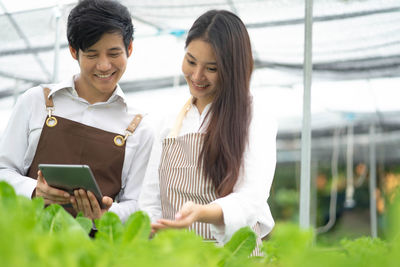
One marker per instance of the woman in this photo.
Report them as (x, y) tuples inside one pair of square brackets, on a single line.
[(217, 164)]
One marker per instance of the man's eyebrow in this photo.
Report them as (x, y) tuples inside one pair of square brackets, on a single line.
[(208, 63), (115, 49), (90, 51), (110, 49)]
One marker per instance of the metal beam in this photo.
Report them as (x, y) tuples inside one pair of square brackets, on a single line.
[(322, 18), (306, 130), (372, 182)]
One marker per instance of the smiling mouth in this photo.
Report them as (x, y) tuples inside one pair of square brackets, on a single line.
[(104, 76), (200, 85)]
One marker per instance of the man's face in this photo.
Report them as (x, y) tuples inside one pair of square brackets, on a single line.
[(102, 66)]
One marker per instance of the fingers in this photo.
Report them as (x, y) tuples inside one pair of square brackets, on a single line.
[(50, 194), (178, 224), (78, 201), (93, 203), (107, 201), (83, 203), (40, 177), (94, 206), (166, 224), (155, 227), (74, 203), (86, 202), (184, 218)]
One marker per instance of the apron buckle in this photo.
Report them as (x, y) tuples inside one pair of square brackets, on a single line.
[(119, 140), (51, 121), (50, 111), (127, 133)]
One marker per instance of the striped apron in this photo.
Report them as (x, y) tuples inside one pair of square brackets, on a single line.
[(181, 177)]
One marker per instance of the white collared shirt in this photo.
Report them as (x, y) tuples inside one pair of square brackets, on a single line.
[(247, 204), (21, 136)]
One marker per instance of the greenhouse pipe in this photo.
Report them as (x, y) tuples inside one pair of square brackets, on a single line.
[(57, 15), (313, 193), (306, 129), (334, 185), (349, 201), (372, 181)]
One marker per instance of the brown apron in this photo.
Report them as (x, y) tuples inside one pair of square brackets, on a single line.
[(64, 141), (181, 177)]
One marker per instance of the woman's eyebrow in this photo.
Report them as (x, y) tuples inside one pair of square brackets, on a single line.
[(190, 55), (207, 63)]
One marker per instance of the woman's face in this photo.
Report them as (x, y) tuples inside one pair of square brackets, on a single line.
[(199, 67)]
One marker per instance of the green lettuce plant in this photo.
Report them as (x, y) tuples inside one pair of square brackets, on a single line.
[(35, 235)]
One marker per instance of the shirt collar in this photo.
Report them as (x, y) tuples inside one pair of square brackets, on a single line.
[(70, 86), (205, 110)]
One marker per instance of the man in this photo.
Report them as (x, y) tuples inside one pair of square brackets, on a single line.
[(83, 121)]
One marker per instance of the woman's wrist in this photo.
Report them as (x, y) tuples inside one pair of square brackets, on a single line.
[(201, 214), (210, 213)]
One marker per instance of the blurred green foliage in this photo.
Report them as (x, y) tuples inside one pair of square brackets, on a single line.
[(33, 235)]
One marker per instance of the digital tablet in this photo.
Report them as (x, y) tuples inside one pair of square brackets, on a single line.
[(69, 177)]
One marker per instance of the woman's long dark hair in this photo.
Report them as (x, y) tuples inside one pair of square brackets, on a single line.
[(226, 136)]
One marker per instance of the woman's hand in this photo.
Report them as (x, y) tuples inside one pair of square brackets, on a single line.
[(86, 202), (50, 194), (190, 213)]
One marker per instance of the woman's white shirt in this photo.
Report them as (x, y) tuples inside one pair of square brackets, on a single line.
[(247, 204)]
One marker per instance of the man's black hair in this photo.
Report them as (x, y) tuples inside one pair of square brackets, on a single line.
[(90, 19)]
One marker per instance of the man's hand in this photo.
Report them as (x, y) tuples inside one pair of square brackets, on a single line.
[(86, 202), (50, 194)]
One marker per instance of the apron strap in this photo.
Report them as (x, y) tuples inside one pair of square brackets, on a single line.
[(50, 121), (134, 123), (178, 123), (47, 99), (119, 140)]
